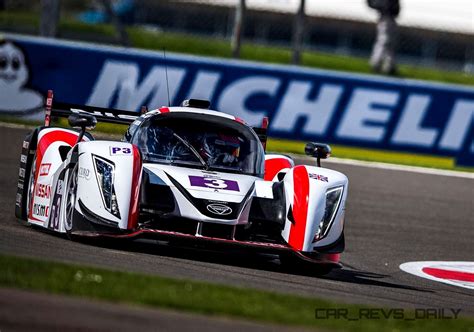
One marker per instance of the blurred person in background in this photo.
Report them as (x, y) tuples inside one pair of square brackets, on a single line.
[(124, 10), (382, 59)]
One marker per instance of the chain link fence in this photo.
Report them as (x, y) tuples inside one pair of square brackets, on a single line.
[(343, 27)]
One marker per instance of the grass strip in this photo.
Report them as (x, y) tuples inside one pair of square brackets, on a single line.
[(199, 297)]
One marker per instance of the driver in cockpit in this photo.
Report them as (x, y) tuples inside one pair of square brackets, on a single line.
[(220, 149)]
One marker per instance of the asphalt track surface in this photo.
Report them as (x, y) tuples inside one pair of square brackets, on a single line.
[(392, 217)]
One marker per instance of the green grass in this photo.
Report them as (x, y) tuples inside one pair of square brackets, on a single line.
[(391, 157), (218, 47), (198, 297), (16, 19), (280, 55)]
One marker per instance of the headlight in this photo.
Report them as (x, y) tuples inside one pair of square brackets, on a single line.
[(333, 200), (105, 177)]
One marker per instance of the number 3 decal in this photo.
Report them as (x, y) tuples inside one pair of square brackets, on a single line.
[(211, 183), (216, 183)]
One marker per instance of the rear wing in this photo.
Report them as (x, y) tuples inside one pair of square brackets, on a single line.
[(59, 109)]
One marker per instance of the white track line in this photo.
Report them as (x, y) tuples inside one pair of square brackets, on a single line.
[(386, 166)]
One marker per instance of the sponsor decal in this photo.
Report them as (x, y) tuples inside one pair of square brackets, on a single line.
[(309, 104), (23, 158), (84, 173), (20, 185), (212, 183), (18, 199), (43, 191), (40, 210), (120, 151), (219, 209), (26, 144), (21, 172), (54, 220), (44, 169), (460, 274), (60, 187), (56, 204), (374, 114), (318, 177)]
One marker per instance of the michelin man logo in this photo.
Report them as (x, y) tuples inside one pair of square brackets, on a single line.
[(14, 96)]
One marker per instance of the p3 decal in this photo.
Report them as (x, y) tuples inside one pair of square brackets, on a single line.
[(120, 151)]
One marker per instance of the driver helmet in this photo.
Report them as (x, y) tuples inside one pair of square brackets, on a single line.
[(220, 149)]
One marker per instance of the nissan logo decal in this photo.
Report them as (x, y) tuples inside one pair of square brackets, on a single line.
[(219, 209)]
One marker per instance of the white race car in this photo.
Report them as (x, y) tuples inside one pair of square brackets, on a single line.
[(181, 173)]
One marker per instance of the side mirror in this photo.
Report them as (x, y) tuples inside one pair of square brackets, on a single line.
[(318, 150), (82, 120)]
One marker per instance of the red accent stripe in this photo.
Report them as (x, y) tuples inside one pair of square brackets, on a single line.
[(332, 257), (239, 120), (265, 122), (69, 138), (273, 166), (164, 110), (133, 211), (300, 207), (49, 104), (449, 274), (156, 233)]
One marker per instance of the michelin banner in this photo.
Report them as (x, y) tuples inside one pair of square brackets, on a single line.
[(303, 104)]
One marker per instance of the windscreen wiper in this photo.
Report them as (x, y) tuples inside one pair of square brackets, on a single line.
[(192, 149)]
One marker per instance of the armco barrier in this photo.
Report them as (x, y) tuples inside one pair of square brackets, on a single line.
[(302, 103)]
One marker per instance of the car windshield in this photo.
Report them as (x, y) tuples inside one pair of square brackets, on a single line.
[(201, 141)]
